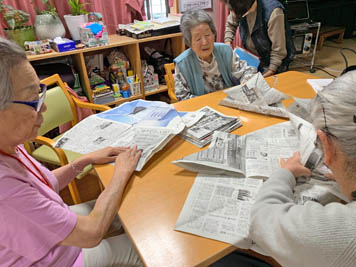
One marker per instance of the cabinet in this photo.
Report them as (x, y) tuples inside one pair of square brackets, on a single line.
[(131, 48)]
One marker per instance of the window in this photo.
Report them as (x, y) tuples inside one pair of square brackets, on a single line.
[(156, 8)]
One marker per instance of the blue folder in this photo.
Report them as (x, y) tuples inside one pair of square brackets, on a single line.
[(251, 59)]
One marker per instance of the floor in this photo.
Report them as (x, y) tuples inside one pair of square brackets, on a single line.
[(328, 61)]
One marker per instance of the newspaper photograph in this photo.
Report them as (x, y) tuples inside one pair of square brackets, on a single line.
[(218, 207), (149, 125), (201, 132), (256, 96), (253, 155)]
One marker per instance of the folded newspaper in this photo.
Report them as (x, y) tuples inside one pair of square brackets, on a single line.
[(148, 124), (256, 96), (218, 206), (200, 134), (256, 154)]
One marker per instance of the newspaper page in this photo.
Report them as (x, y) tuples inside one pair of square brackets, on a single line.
[(253, 155), (218, 207), (149, 125), (201, 132), (300, 107), (256, 96)]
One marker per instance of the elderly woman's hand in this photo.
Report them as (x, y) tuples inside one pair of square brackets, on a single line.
[(294, 165), (105, 155), (126, 162)]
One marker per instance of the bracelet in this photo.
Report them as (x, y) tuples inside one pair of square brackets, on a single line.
[(76, 171)]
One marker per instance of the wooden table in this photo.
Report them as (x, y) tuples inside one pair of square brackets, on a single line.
[(155, 196)]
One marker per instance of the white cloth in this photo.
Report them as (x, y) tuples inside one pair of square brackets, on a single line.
[(114, 251)]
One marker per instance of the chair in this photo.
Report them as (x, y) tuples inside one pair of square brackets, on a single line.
[(170, 81), (61, 108)]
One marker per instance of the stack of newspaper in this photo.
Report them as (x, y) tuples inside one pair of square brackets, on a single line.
[(200, 134)]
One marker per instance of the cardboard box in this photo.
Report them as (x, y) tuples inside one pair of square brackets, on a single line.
[(63, 47)]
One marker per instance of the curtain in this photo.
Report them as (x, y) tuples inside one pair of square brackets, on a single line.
[(223, 12), (113, 11)]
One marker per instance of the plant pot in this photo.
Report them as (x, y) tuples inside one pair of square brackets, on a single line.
[(74, 23), (21, 35), (48, 27)]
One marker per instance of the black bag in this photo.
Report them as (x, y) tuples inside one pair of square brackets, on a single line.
[(64, 70), (158, 60)]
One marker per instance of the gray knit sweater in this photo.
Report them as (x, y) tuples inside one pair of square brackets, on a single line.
[(302, 236)]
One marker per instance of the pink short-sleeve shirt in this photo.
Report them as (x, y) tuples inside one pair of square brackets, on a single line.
[(33, 217)]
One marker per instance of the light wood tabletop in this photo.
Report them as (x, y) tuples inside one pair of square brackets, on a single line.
[(155, 196)]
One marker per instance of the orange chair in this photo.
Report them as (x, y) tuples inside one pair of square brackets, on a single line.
[(61, 108), (170, 81)]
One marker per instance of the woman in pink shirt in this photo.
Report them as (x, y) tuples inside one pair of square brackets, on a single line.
[(36, 227)]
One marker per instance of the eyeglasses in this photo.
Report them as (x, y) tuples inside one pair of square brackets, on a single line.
[(37, 104)]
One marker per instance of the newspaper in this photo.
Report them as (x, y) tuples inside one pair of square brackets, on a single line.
[(300, 107), (256, 96), (218, 207), (258, 153), (148, 124), (253, 155), (200, 133)]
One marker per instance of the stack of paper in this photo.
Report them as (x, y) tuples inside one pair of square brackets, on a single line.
[(200, 134)]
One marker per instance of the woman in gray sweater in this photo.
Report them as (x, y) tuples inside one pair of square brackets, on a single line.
[(314, 235)]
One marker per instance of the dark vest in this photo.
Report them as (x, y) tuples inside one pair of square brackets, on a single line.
[(259, 34)]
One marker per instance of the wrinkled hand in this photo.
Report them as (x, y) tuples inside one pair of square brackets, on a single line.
[(294, 165), (126, 162), (268, 73), (105, 155), (228, 43)]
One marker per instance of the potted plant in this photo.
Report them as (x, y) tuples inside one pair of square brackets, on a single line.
[(47, 23), (78, 17), (16, 21)]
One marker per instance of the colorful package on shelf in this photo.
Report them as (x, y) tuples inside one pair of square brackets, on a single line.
[(38, 47), (93, 34), (62, 44)]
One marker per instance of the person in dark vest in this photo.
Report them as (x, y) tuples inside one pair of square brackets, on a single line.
[(263, 30), (206, 66)]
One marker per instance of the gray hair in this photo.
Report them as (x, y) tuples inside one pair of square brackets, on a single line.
[(333, 111), (193, 18), (10, 55)]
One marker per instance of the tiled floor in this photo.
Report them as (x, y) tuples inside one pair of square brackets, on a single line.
[(328, 58)]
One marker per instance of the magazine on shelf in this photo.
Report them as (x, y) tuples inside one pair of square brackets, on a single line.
[(200, 133), (148, 124)]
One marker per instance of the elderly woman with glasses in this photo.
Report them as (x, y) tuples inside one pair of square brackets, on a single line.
[(36, 227), (313, 234), (207, 66)]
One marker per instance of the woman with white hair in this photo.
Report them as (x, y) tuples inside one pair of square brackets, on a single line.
[(36, 227), (312, 234), (206, 66)]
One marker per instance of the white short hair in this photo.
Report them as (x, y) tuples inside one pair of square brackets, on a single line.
[(333, 111)]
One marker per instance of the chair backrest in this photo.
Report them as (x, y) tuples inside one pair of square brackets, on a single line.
[(170, 81), (60, 106)]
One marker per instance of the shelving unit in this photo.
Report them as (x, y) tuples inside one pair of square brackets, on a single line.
[(130, 47)]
